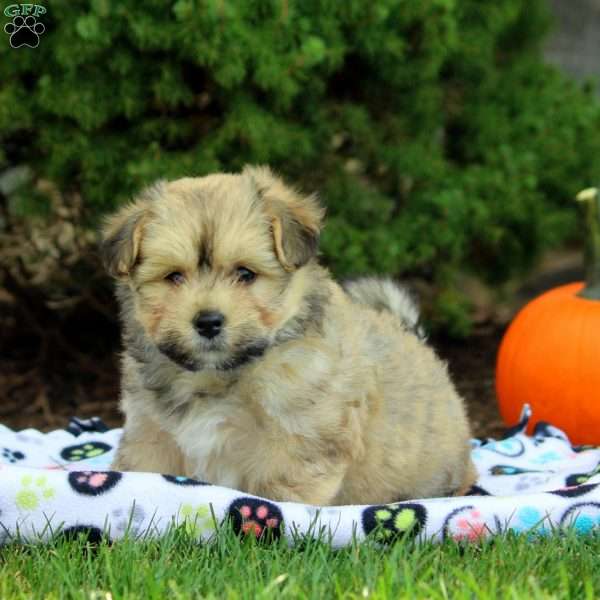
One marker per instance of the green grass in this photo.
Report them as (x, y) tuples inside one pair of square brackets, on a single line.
[(176, 567)]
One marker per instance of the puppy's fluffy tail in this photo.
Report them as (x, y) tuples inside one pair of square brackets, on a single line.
[(385, 294)]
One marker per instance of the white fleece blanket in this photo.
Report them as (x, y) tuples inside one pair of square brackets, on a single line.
[(58, 483)]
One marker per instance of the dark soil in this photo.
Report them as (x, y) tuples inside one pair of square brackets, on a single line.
[(55, 367), (472, 367)]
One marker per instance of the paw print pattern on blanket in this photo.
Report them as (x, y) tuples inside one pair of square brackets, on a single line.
[(93, 483), (78, 426), (388, 522), (510, 470), (477, 491), (575, 491), (197, 520), (91, 534), (510, 447), (466, 524), (529, 519), (33, 492), (85, 499), (579, 478), (128, 520), (583, 517), (181, 480), (12, 456), (532, 481), (84, 451), (252, 516)]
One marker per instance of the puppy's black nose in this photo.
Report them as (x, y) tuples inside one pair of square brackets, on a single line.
[(208, 323)]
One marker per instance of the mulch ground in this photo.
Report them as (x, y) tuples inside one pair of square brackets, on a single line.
[(472, 367)]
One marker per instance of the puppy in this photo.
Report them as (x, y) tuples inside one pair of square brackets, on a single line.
[(245, 365)]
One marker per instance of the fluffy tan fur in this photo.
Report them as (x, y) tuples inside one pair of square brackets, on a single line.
[(307, 394)]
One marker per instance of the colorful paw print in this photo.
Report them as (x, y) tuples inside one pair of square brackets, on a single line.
[(93, 483), (389, 522), (468, 524), (33, 492), (470, 527), (579, 478), (528, 518), (583, 518), (12, 456), (197, 520), (84, 451), (256, 518)]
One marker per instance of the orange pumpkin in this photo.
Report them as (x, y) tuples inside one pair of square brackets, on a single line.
[(550, 355)]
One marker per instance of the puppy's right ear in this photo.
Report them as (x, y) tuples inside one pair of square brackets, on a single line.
[(122, 235), (296, 219)]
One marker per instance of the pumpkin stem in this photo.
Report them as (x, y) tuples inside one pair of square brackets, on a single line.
[(590, 198)]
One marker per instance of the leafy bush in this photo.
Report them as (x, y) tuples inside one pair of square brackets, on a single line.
[(439, 140)]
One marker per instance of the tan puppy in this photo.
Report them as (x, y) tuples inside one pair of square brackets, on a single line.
[(246, 366)]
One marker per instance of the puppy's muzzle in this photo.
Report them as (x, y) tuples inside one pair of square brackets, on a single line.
[(209, 323)]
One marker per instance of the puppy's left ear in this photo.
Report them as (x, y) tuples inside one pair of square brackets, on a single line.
[(121, 238), (296, 219)]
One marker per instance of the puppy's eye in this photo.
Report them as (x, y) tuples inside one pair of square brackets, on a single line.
[(245, 275), (176, 277)]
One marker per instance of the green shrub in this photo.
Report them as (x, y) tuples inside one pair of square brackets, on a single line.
[(439, 140)]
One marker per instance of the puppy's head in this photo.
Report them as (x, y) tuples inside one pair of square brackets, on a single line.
[(213, 264)]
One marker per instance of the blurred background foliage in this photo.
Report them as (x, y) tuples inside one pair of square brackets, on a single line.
[(441, 143)]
